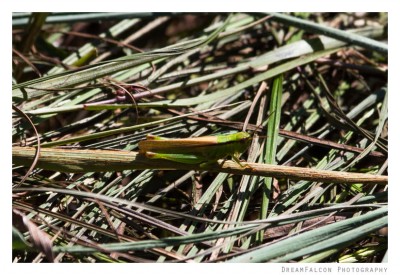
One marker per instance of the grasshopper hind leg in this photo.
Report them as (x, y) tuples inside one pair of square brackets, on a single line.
[(237, 160), (180, 158)]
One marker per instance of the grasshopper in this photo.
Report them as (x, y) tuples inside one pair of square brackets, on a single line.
[(198, 150)]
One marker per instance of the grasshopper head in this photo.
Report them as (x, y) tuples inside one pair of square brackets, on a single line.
[(243, 141), (242, 136)]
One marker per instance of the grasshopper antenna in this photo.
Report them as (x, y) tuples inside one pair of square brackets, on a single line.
[(261, 90)]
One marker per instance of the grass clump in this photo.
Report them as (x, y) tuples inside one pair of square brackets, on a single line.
[(87, 90)]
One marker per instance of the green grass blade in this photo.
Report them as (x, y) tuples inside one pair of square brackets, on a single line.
[(271, 144), (332, 32), (337, 234)]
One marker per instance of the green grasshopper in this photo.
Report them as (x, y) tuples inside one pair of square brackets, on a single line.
[(198, 150)]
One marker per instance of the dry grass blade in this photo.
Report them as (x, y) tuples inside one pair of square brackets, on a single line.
[(40, 239)]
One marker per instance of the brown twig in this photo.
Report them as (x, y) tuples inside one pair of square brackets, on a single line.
[(37, 148), (27, 61), (82, 161)]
